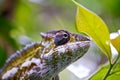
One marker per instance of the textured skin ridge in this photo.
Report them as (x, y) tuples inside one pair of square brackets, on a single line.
[(17, 58)]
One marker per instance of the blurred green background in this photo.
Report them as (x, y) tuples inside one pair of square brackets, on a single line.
[(21, 21)]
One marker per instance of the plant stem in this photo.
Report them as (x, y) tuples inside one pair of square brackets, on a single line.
[(111, 66), (116, 59), (108, 72)]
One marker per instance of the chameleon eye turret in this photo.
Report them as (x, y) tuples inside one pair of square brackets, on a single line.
[(61, 38)]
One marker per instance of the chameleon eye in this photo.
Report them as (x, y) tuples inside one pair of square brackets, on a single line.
[(61, 39), (65, 35)]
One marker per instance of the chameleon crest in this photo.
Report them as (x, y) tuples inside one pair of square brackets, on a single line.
[(44, 60)]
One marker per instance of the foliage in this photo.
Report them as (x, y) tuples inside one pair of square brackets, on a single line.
[(114, 74), (91, 24)]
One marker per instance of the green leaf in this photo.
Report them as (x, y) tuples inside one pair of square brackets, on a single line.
[(116, 43), (114, 75), (91, 24), (100, 74)]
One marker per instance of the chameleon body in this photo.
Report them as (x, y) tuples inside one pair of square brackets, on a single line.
[(44, 60)]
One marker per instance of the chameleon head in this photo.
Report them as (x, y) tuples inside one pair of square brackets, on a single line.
[(57, 38), (63, 47)]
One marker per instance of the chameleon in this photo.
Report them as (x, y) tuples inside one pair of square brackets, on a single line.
[(44, 60)]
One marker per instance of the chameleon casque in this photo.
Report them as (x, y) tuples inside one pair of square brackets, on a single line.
[(44, 60)]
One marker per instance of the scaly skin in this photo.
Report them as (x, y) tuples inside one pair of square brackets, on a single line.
[(44, 60)]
